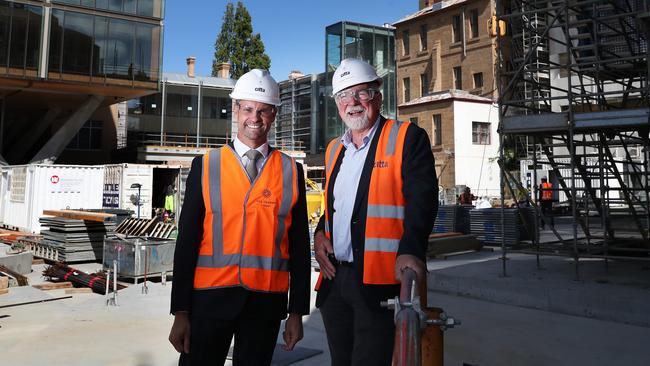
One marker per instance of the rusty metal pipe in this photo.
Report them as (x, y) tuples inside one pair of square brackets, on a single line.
[(406, 351), (407, 338)]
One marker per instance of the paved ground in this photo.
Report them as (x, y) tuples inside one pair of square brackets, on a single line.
[(83, 331)]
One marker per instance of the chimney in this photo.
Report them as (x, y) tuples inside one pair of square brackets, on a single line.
[(294, 74), (427, 3), (223, 70), (190, 66)]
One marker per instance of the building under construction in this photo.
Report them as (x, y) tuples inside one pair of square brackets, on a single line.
[(574, 87)]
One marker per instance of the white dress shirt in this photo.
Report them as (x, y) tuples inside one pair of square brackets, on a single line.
[(241, 149)]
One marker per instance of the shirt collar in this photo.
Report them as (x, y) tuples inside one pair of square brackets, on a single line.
[(241, 148), (346, 139)]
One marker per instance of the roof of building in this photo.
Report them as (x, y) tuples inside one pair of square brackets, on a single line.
[(430, 9), (445, 95), (209, 81)]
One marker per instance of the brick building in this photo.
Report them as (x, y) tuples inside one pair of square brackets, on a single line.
[(446, 83)]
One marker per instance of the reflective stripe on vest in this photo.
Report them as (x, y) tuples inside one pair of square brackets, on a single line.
[(385, 213), (547, 193), (331, 154), (240, 246)]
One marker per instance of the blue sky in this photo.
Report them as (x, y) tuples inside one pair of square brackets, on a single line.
[(293, 31)]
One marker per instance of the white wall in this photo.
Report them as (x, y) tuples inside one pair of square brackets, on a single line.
[(476, 166)]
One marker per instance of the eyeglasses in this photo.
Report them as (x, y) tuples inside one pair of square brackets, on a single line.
[(249, 111), (362, 95)]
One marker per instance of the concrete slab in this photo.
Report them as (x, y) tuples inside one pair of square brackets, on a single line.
[(618, 292), (83, 331), (17, 262)]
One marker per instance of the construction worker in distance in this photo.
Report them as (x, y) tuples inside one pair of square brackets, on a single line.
[(381, 195), (243, 242), (546, 202), (466, 198)]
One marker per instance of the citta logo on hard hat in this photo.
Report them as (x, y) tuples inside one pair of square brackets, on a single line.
[(345, 74), (260, 90)]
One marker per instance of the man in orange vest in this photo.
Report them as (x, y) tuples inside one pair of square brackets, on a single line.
[(546, 201), (243, 242), (381, 201)]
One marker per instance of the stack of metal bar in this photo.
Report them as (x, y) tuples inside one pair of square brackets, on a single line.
[(146, 227), (453, 218), (486, 225), (76, 239)]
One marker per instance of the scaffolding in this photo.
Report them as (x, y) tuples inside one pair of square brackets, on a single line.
[(294, 121), (573, 83)]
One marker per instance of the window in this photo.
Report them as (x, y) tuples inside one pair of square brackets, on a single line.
[(478, 80), (423, 37), (437, 129), (457, 28), (480, 133), (405, 43), (89, 137), (20, 35), (102, 46), (407, 89), (149, 8), (18, 184), (458, 78), (473, 23), (424, 84)]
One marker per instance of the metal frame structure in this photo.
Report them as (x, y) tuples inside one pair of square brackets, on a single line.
[(573, 79)]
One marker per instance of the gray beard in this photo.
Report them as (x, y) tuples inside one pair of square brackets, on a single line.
[(358, 123)]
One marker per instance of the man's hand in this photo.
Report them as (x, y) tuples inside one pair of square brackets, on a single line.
[(323, 247), (292, 331), (410, 261), (179, 336)]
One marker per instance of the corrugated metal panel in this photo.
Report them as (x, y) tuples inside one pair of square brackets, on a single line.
[(50, 187)]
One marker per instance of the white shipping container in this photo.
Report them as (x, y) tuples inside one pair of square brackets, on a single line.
[(30, 189), (119, 178)]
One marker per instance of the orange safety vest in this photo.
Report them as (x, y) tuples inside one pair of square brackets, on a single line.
[(547, 193), (385, 214), (245, 230)]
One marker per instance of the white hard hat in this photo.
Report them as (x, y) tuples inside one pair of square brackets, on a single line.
[(257, 85), (351, 72)]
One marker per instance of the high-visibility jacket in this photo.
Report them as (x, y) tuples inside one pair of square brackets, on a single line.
[(385, 213), (245, 230), (547, 193)]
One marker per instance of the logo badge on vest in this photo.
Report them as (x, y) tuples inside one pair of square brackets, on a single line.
[(380, 164), (266, 201)]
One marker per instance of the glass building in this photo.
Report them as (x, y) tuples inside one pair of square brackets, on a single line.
[(373, 44), (64, 64), (188, 112)]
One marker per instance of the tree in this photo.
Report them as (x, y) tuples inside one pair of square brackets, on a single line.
[(237, 44)]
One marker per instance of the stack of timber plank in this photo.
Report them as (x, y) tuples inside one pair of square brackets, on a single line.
[(76, 236)]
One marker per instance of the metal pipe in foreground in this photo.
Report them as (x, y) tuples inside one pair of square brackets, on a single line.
[(408, 340)]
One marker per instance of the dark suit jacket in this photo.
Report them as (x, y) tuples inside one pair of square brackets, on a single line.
[(226, 303), (421, 195)]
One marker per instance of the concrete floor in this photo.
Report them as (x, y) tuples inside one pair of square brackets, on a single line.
[(84, 331)]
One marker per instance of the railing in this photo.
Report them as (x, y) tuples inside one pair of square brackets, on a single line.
[(180, 140)]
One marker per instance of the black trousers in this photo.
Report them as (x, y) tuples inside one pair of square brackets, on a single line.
[(356, 334), (254, 331), (547, 211)]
